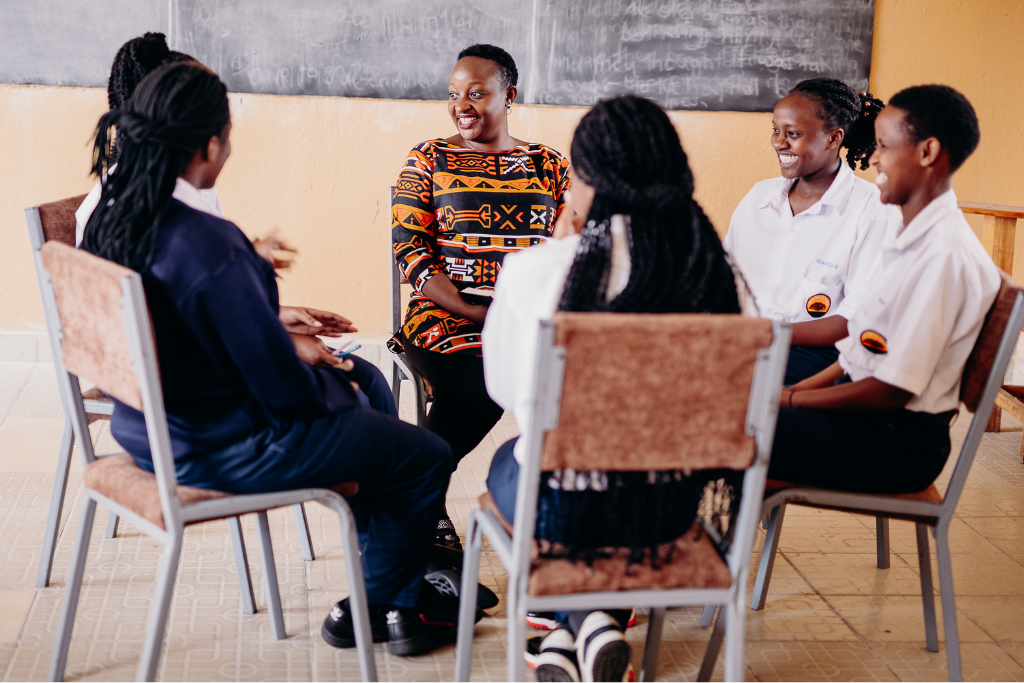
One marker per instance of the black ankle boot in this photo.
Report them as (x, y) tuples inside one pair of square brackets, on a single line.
[(339, 631)]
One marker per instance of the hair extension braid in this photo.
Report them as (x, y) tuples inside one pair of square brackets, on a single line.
[(840, 107)]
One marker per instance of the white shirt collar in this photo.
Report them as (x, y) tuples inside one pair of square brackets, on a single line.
[(837, 196), (929, 216), (200, 200)]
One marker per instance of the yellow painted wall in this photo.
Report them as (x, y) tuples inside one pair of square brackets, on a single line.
[(319, 168)]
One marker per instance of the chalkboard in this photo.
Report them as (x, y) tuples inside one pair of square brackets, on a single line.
[(70, 42), (739, 55)]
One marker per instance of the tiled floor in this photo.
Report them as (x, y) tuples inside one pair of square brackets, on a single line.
[(831, 615)]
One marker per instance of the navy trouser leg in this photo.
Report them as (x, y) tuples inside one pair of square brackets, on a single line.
[(807, 361), (402, 472), (371, 382), (892, 451)]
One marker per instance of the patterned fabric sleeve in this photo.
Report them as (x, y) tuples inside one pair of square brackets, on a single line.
[(562, 175), (412, 218)]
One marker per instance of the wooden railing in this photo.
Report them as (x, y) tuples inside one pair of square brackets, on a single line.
[(1002, 235)]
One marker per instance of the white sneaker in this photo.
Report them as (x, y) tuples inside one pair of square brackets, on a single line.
[(556, 660), (601, 649)]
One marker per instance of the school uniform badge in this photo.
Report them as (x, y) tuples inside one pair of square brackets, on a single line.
[(818, 305), (873, 342)]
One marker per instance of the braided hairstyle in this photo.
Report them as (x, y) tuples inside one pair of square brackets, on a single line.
[(628, 151), (133, 61), (943, 113), (840, 107), (174, 112), (506, 65)]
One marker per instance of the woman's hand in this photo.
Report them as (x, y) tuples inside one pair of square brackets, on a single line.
[(314, 352), (312, 321), (269, 245), (443, 292)]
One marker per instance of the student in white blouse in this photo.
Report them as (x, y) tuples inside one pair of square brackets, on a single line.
[(809, 241), (646, 246), (878, 419)]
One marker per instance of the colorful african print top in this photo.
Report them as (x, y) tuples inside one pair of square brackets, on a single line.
[(458, 211)]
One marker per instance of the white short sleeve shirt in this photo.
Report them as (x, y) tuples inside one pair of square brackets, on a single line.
[(920, 317), (186, 193), (817, 263)]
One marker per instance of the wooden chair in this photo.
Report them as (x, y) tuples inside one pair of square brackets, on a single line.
[(105, 335), (401, 369), (55, 222), (685, 392), (929, 508)]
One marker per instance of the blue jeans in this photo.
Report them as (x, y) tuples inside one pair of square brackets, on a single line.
[(402, 471), (502, 482)]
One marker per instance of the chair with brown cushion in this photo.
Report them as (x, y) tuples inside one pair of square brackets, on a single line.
[(104, 332), (929, 508), (400, 368), (55, 221), (682, 392)]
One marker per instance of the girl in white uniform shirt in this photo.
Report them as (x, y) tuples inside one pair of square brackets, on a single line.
[(809, 241), (647, 247), (878, 419)]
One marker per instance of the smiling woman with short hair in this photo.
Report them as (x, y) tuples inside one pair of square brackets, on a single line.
[(462, 203)]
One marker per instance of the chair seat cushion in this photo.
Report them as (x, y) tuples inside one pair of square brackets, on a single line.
[(118, 478), (929, 495), (695, 563), (95, 394)]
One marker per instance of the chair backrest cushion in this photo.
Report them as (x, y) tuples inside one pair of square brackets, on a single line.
[(979, 363), (655, 391), (58, 219), (95, 343)]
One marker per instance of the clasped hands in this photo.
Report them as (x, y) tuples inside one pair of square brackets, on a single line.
[(306, 325)]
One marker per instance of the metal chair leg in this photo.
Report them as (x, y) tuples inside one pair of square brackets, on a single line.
[(924, 561), (467, 600), (707, 617), (270, 576), (302, 526), (734, 640), (112, 523), (421, 400), (771, 545), (59, 659), (882, 541), (357, 592), (948, 603), (60, 487), (707, 666), (516, 629), (655, 623), (396, 381), (242, 566), (156, 625)]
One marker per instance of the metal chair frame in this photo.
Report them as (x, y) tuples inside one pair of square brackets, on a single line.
[(401, 369), (514, 551), (925, 514), (37, 238)]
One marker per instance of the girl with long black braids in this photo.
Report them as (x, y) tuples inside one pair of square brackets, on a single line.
[(809, 241), (645, 247), (246, 415)]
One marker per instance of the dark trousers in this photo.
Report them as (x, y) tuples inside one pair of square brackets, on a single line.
[(502, 482), (462, 412), (892, 451), (402, 472), (807, 361)]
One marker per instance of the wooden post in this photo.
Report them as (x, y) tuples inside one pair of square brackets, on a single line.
[(999, 237)]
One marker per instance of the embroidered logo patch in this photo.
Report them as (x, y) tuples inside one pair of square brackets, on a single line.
[(873, 342), (818, 305)]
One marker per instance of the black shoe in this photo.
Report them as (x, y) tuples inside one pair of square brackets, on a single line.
[(431, 624), (448, 581), (338, 630), (446, 536)]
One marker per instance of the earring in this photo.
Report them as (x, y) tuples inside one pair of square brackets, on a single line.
[(508, 108)]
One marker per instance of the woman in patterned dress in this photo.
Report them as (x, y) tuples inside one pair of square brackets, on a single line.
[(460, 205)]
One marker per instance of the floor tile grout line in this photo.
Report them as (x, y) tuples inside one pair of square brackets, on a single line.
[(20, 393), (843, 619)]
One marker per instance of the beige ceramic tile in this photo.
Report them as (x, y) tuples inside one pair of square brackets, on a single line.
[(30, 444), (849, 574), (980, 662), (797, 617), (899, 618), (16, 606), (1002, 616), (803, 661)]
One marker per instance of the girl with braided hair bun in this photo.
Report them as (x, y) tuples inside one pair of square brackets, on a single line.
[(809, 241), (639, 243), (246, 415)]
